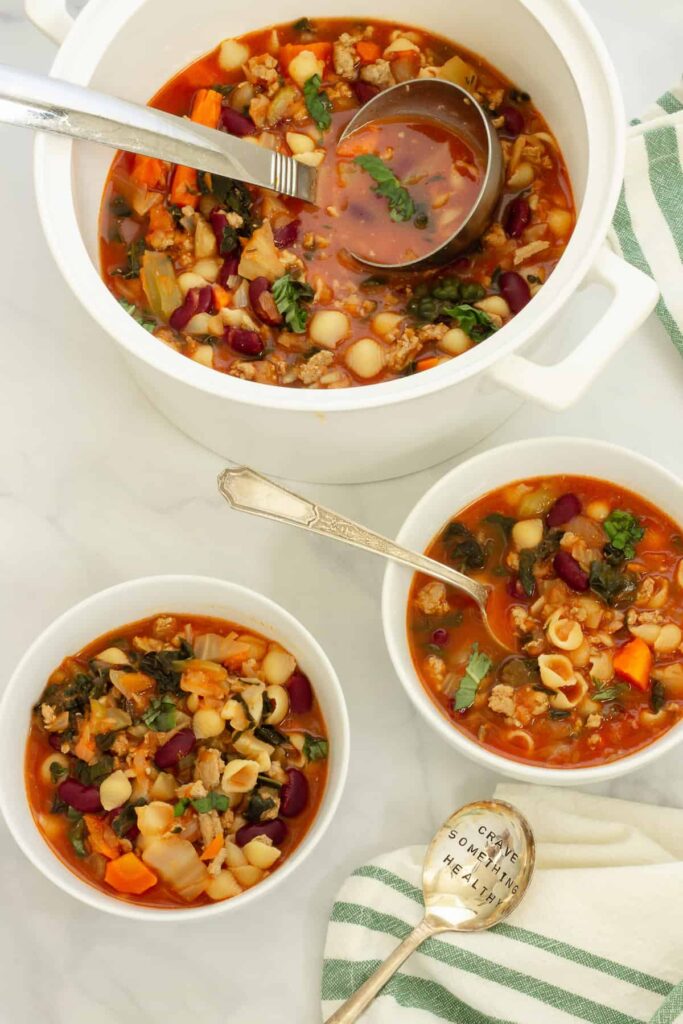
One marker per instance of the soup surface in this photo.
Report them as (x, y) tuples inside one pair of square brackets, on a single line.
[(176, 761), (264, 288), (587, 585)]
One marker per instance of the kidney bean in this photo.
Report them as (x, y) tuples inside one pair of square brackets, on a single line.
[(236, 124), (197, 300), (300, 693), (462, 263), (247, 343), (514, 290), (276, 830), (219, 223), (364, 91), (517, 216), (178, 746), (229, 269), (564, 509), (440, 637), (569, 570), (515, 588), (514, 120), (55, 741), (263, 303), (294, 793), (287, 234), (79, 796)]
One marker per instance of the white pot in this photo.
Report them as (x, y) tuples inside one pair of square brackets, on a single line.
[(459, 488), (129, 602), (131, 47)]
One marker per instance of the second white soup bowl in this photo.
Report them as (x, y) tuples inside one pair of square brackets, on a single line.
[(129, 602), (463, 485)]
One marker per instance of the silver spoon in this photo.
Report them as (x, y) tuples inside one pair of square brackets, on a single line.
[(51, 105), (476, 870), (248, 491), (453, 108)]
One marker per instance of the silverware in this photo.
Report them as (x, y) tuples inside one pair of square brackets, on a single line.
[(50, 105), (451, 106), (248, 491), (476, 870)]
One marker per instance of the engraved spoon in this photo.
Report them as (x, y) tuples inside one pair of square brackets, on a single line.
[(248, 491), (476, 870)]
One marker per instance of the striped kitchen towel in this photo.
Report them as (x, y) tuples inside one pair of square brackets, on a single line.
[(648, 223), (597, 938)]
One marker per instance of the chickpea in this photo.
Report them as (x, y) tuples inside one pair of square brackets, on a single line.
[(365, 358), (207, 723)]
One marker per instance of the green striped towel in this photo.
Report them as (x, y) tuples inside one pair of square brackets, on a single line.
[(648, 223), (597, 938)]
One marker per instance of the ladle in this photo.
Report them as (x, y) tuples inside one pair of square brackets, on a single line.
[(247, 491), (476, 870), (50, 105)]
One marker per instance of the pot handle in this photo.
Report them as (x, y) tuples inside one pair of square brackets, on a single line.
[(51, 17), (634, 296)]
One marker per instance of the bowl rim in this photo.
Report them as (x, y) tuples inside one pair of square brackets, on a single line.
[(76, 61), (392, 592), (13, 699)]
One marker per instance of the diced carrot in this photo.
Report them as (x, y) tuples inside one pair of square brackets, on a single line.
[(214, 847), (102, 837), (221, 298), (206, 107), (160, 219), (184, 188), (288, 52), (149, 171), (128, 874), (367, 51), (633, 662), (427, 364), (359, 142)]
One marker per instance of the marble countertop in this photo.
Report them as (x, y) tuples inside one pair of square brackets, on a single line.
[(95, 487)]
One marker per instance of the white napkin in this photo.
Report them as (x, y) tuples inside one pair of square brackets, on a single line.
[(598, 937)]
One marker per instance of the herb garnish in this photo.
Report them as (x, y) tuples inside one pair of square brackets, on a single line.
[(212, 802), (657, 696), (401, 205), (474, 322), (613, 586), (132, 310), (604, 693), (318, 103), (477, 668), (315, 748), (134, 255), (624, 532), (289, 297), (160, 715)]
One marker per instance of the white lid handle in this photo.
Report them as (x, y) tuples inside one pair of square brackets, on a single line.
[(51, 17)]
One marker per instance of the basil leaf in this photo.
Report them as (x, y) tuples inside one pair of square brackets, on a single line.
[(477, 668), (290, 295), (212, 802), (160, 715), (401, 205), (315, 748), (318, 103)]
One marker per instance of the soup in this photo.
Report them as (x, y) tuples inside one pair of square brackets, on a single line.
[(176, 761), (423, 167), (265, 288), (586, 586)]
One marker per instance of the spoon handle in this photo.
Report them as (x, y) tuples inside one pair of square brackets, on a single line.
[(51, 105), (248, 491), (361, 999)]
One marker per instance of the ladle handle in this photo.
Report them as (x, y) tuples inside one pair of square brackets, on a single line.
[(360, 1000), (248, 491), (50, 105)]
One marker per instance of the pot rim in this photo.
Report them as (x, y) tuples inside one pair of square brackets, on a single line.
[(403, 665), (14, 701), (76, 61)]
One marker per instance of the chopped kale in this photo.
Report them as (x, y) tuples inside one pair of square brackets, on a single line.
[(657, 696), (134, 255), (161, 714), (162, 667), (315, 748), (612, 585), (467, 553), (93, 774), (258, 806), (126, 819), (268, 734), (498, 519), (76, 836)]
